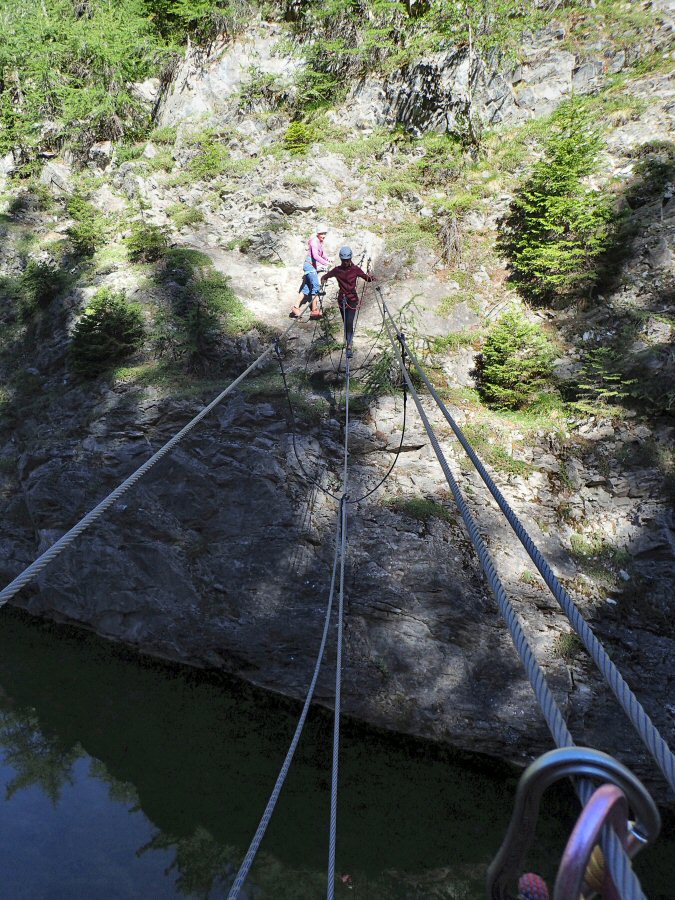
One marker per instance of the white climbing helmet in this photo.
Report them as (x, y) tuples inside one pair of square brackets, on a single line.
[(322, 228)]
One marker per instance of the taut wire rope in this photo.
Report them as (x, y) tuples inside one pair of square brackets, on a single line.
[(396, 456), (622, 873), (247, 862), (33, 570), (633, 709), (293, 431), (330, 886)]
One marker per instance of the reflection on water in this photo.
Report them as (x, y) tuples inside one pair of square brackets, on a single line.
[(127, 778)]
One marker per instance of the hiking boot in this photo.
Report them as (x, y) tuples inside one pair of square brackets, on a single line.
[(350, 352)]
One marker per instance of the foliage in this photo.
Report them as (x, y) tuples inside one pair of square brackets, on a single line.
[(190, 325), (453, 340), (41, 282), (210, 159), (298, 137), (567, 645), (515, 363), (557, 228), (87, 233), (261, 89), (71, 64), (654, 171), (202, 20), (485, 442), (185, 215), (109, 329), (166, 134), (600, 380), (420, 508), (146, 243)]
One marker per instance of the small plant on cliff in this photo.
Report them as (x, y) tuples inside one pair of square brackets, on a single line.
[(515, 363), (87, 232), (110, 329), (567, 645), (298, 137), (40, 284), (557, 226), (146, 243)]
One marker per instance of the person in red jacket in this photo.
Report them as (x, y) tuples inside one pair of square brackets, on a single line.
[(346, 275)]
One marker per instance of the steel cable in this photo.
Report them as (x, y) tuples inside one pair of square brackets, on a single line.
[(247, 862), (619, 866), (293, 430), (634, 710), (34, 569), (330, 887)]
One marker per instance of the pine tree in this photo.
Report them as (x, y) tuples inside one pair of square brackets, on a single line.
[(557, 226), (515, 364)]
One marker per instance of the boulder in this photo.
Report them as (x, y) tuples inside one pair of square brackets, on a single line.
[(101, 154), (58, 176)]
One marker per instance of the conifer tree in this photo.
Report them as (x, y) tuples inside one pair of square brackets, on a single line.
[(558, 226)]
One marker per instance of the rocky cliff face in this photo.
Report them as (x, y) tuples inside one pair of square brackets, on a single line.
[(221, 556)]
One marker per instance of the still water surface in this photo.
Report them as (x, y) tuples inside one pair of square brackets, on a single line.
[(128, 778)]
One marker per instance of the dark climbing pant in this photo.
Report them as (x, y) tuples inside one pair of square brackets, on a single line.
[(348, 314)]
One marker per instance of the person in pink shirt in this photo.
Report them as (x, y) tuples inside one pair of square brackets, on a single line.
[(315, 262)]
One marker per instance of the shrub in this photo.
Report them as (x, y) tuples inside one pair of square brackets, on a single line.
[(110, 329), (87, 234), (146, 243), (557, 228), (210, 160), (515, 364), (421, 508), (40, 283), (185, 215), (567, 645), (190, 328), (165, 134), (298, 137)]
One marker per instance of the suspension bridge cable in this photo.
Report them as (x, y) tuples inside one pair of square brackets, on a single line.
[(245, 867), (332, 836), (294, 429), (33, 570), (395, 460), (633, 709), (622, 873)]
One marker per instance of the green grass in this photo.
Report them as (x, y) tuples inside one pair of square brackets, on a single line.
[(447, 305), (164, 135), (567, 645), (409, 234), (420, 508), (182, 215), (162, 162), (598, 557), (485, 441), (168, 379), (454, 340)]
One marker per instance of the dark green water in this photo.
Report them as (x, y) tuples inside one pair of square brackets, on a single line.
[(128, 778)]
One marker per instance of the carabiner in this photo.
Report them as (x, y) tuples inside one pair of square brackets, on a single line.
[(579, 762)]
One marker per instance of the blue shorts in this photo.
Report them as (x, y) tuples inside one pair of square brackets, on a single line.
[(310, 283)]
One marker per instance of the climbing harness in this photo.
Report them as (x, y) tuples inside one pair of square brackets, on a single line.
[(576, 762)]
